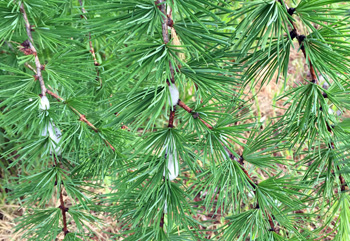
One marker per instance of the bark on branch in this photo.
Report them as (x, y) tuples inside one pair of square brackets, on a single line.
[(34, 52), (81, 116), (62, 206), (92, 51), (300, 38), (194, 115), (44, 90), (295, 34)]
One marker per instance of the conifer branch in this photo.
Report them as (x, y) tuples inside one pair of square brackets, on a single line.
[(251, 181), (44, 90), (253, 184), (62, 206), (34, 52), (300, 38), (81, 116), (165, 33), (92, 51), (194, 115), (38, 75), (63, 210), (295, 34)]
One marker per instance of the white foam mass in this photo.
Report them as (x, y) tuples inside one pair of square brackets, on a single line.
[(44, 103), (165, 207), (173, 166), (55, 135), (174, 94)]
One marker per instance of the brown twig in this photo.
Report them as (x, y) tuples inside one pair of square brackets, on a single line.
[(165, 32), (162, 7), (300, 39), (194, 115), (295, 34), (63, 210), (161, 224), (252, 183), (34, 52), (184, 106), (60, 99), (62, 206), (81, 116), (342, 182), (92, 51), (172, 117)]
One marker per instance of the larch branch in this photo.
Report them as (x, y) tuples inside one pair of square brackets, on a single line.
[(165, 33), (34, 52), (63, 210), (81, 116), (62, 206), (194, 115), (300, 39), (92, 51), (295, 34)]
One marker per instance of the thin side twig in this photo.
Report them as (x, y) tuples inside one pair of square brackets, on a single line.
[(92, 50), (194, 115), (62, 206), (81, 116)]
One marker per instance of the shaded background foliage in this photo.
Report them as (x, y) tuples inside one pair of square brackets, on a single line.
[(107, 67)]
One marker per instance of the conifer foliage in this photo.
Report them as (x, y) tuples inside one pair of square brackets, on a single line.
[(152, 102)]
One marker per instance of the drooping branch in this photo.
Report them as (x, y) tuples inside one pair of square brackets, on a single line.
[(39, 67), (62, 206), (294, 33), (254, 185), (232, 157), (63, 210), (165, 33), (34, 52), (43, 93)]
